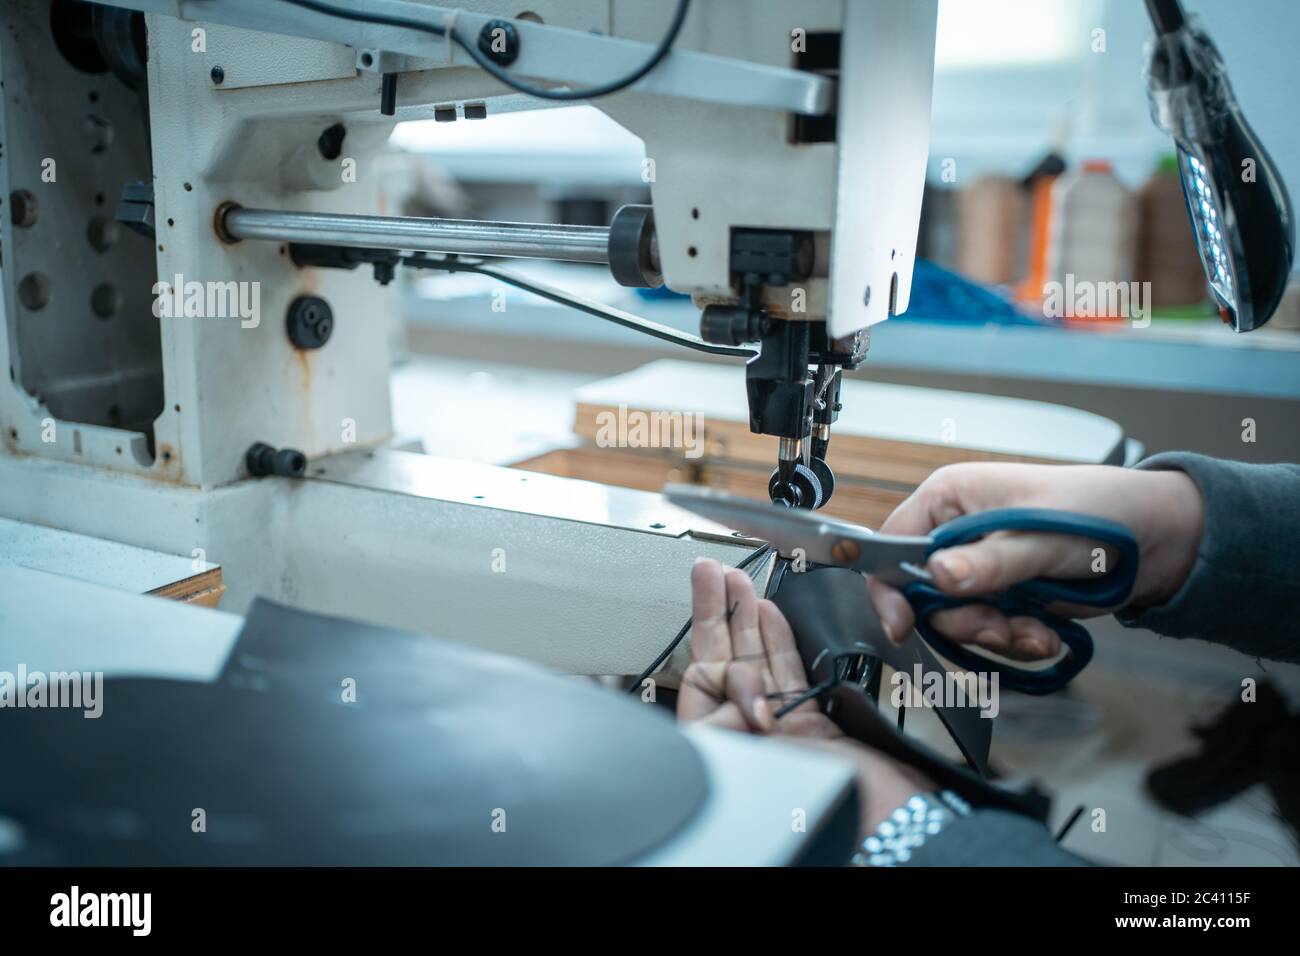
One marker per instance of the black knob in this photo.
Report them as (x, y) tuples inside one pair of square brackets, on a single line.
[(309, 322), (263, 460), (732, 325), (499, 41)]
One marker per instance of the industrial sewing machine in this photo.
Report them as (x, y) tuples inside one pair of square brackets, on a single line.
[(196, 269)]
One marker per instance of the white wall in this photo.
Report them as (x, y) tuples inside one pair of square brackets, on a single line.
[(1093, 104)]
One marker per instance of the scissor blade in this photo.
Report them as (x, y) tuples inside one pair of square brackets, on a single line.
[(794, 532)]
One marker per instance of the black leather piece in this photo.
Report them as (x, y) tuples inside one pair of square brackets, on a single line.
[(859, 717), (440, 737), (832, 617)]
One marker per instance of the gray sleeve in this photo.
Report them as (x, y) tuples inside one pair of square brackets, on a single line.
[(1244, 589), (994, 838)]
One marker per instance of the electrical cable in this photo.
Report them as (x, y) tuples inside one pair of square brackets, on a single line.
[(377, 19), (810, 694), (617, 316), (745, 562), (487, 65), (591, 92), (1065, 828)]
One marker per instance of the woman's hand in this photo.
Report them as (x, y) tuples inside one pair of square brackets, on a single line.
[(744, 663), (1163, 509), (745, 666)]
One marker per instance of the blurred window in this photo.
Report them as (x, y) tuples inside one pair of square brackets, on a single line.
[(1002, 33)]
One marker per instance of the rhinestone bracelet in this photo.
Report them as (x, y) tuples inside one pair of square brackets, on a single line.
[(905, 830)]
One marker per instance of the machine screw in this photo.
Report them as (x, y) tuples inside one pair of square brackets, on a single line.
[(845, 551), (309, 322), (263, 460), (218, 75), (499, 41)]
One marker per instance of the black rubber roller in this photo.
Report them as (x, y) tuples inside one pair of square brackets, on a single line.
[(825, 477), (633, 254)]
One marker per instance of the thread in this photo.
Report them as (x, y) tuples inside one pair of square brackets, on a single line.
[(989, 213), (1166, 249), (1093, 226)]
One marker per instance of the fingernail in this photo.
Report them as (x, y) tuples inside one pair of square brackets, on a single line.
[(1032, 646), (989, 638), (763, 714), (889, 630), (958, 569)]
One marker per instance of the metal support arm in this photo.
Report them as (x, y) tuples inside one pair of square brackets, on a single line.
[(547, 53)]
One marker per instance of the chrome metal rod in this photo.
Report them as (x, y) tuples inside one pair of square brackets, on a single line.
[(519, 240)]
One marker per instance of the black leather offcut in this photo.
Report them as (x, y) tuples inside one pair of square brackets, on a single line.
[(330, 742), (832, 618)]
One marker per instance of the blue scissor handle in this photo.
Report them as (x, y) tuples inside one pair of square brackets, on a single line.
[(1028, 598), (1107, 589), (927, 599)]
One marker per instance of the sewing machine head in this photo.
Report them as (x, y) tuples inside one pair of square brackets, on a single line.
[(785, 155)]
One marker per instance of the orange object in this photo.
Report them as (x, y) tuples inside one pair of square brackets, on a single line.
[(1031, 289)]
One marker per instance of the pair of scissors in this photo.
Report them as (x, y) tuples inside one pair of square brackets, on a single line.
[(900, 561)]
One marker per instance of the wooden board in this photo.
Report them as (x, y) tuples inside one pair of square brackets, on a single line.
[(646, 472), (204, 589), (890, 433), (888, 439)]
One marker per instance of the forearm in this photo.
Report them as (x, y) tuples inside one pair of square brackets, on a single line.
[(1244, 585)]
